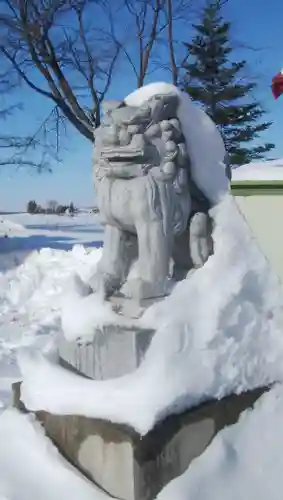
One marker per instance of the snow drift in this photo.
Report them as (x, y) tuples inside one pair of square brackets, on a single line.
[(9, 227), (219, 332)]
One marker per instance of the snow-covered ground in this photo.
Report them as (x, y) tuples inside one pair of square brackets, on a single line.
[(38, 254), (32, 232), (35, 261)]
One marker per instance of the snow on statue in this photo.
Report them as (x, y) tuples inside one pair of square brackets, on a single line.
[(155, 185)]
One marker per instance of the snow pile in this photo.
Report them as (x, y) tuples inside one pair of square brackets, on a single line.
[(82, 312), (8, 227), (263, 171), (31, 468), (244, 461), (204, 142), (31, 298), (34, 291), (220, 331)]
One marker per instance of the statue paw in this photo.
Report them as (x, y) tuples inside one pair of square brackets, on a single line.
[(201, 241), (80, 287), (201, 251), (104, 284)]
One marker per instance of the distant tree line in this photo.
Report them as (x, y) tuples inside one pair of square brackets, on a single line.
[(53, 207)]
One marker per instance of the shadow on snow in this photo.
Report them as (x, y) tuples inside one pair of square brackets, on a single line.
[(66, 228), (37, 242)]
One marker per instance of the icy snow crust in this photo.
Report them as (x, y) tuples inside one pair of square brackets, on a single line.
[(219, 332)]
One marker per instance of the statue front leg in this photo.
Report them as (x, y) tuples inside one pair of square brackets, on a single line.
[(117, 255), (201, 241), (181, 255), (154, 249)]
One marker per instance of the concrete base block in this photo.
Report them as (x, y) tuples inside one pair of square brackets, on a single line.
[(114, 351), (130, 467)]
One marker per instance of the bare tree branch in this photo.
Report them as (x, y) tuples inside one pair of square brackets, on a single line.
[(67, 51), (149, 44), (35, 35), (174, 67)]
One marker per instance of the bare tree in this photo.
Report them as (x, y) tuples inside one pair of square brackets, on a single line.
[(67, 51), (15, 150), (57, 48), (150, 41)]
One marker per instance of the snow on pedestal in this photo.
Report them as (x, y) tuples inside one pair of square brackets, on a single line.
[(114, 351), (99, 339)]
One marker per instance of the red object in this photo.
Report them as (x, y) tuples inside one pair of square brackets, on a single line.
[(277, 85)]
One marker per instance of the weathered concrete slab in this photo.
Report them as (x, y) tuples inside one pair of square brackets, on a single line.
[(131, 467), (114, 351), (259, 208)]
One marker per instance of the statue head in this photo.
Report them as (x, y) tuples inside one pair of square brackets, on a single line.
[(149, 135)]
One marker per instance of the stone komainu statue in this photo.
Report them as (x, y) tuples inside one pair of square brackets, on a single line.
[(153, 213)]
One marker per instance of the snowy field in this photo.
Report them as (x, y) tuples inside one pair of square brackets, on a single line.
[(32, 232)]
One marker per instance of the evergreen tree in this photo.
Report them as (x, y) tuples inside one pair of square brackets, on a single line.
[(32, 207), (215, 82), (72, 208)]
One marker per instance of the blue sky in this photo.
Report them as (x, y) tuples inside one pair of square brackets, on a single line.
[(256, 23)]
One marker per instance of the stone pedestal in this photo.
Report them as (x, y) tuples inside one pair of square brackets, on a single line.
[(114, 351), (130, 467)]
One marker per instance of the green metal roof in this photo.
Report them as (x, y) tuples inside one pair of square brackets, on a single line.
[(252, 188)]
